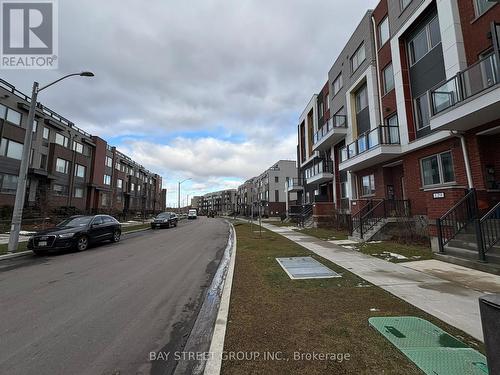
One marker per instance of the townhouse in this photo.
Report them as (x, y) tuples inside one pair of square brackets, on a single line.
[(413, 125), (70, 170), (221, 202)]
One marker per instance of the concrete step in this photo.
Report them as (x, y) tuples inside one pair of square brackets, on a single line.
[(457, 243), (492, 256), (475, 264)]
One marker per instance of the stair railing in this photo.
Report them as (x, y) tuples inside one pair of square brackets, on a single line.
[(307, 211), (454, 221), (373, 217), (356, 218), (490, 229)]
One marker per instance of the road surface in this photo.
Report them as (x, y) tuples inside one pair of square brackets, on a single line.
[(104, 310)]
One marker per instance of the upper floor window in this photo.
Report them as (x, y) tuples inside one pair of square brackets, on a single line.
[(62, 166), (62, 140), (422, 112), (327, 101), (35, 126), (358, 57), (10, 115), (109, 162), (107, 179), (80, 171), (437, 169), (321, 110), (481, 6), (11, 149), (119, 183), (61, 190), (8, 183), (425, 40), (337, 84), (404, 3), (78, 192), (383, 31), (78, 147), (361, 98), (388, 78), (46, 133)]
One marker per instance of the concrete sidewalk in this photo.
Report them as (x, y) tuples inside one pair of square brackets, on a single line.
[(449, 301)]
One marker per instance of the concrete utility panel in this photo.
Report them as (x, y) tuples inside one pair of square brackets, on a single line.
[(300, 268)]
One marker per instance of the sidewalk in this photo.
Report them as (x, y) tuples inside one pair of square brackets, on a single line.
[(447, 300)]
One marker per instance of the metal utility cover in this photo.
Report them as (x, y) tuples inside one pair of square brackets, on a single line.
[(433, 350), (299, 268)]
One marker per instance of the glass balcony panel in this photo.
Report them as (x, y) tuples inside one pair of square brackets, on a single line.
[(445, 96), (480, 76), (352, 150), (362, 145), (373, 138)]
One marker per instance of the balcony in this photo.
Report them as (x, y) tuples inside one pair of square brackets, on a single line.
[(333, 131), (321, 171), (294, 184), (469, 99), (376, 146)]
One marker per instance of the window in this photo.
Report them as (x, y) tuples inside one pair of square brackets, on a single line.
[(119, 183), (424, 41), (43, 161), (62, 140), (32, 156), (80, 171), (119, 198), (327, 102), (62, 166), (107, 179), (276, 195), (8, 183), (109, 162), (343, 184), (361, 98), (11, 149), (358, 57), (78, 193), (422, 111), (117, 166), (404, 3), (138, 188), (321, 110), (437, 169), (46, 133), (137, 174), (337, 84), (35, 126), (61, 190), (104, 200), (276, 179), (383, 31), (132, 187), (10, 115), (481, 6), (388, 77), (391, 134), (78, 147), (368, 185)]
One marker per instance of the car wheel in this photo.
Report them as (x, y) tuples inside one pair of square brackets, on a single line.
[(168, 225), (116, 236), (40, 252), (175, 224), (82, 243)]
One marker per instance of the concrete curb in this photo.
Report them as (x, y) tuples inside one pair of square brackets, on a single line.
[(214, 363), (15, 255)]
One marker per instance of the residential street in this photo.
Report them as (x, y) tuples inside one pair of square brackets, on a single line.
[(104, 310)]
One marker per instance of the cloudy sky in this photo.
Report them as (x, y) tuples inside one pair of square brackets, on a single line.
[(204, 89)]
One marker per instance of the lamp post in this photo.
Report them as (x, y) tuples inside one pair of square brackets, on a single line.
[(179, 194), (17, 213)]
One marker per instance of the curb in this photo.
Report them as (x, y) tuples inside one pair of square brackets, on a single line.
[(15, 255), (214, 363)]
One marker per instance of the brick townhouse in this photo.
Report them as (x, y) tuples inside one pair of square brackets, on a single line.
[(70, 170), (221, 202), (412, 127)]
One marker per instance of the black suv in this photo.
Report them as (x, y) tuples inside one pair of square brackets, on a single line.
[(164, 220), (76, 232)]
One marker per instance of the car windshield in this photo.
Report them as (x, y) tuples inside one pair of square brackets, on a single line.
[(163, 216), (76, 222)]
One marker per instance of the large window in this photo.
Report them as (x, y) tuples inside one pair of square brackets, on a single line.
[(481, 6), (383, 31), (62, 140), (78, 193), (62, 166), (388, 77), (437, 169), (10, 115), (11, 149), (422, 113), (337, 84), (8, 183), (107, 179), (426, 39), (109, 162), (80, 171), (78, 147), (43, 161), (368, 185), (358, 57), (361, 98), (46, 133), (119, 183)]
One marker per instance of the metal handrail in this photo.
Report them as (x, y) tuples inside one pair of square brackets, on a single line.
[(372, 220), (490, 228), (329, 126)]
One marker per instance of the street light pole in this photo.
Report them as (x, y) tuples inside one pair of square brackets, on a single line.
[(17, 213), (179, 194)]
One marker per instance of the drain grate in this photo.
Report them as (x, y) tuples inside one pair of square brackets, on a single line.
[(433, 350), (299, 268)]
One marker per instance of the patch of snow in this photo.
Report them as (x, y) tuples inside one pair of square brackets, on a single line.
[(374, 309), (393, 255)]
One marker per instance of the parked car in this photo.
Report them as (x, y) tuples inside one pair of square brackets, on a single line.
[(192, 214), (164, 220), (76, 232)]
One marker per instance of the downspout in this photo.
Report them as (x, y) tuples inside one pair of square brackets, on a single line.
[(379, 89), (466, 157)]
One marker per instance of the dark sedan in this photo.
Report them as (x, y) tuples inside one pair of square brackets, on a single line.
[(76, 232), (164, 220)]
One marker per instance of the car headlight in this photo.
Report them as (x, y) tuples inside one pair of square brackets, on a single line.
[(165, 220), (66, 235)]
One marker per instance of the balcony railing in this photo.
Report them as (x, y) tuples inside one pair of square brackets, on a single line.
[(467, 83), (294, 183), (335, 122), (322, 166), (381, 135)]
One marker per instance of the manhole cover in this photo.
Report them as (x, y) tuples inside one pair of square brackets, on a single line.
[(305, 268)]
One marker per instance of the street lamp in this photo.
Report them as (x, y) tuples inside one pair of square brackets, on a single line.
[(17, 213), (179, 193)]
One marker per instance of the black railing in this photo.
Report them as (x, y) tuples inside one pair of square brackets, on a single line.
[(462, 214), (467, 83), (490, 228), (295, 183), (381, 135), (357, 217), (321, 166), (335, 122)]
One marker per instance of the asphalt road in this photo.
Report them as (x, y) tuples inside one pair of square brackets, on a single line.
[(104, 310)]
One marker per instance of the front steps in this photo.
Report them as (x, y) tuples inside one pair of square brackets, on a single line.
[(367, 236)]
